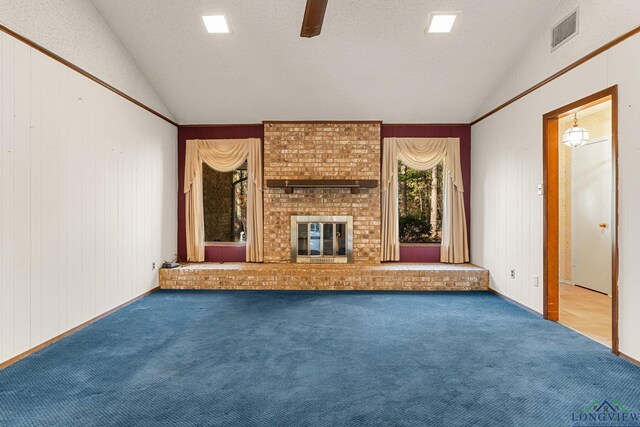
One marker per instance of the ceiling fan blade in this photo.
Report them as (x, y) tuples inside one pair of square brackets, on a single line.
[(313, 17)]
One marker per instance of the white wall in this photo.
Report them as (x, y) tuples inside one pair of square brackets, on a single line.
[(600, 22), (87, 198), (76, 31), (506, 228)]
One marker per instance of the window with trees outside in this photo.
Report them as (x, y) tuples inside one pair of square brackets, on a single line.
[(420, 204), (225, 204)]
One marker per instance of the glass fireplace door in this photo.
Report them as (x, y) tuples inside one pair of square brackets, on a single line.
[(327, 239), (321, 239)]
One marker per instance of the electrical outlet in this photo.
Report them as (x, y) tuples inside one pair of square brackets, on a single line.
[(513, 273), (536, 281), (153, 265)]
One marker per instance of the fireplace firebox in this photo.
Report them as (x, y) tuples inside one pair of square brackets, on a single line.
[(321, 239)]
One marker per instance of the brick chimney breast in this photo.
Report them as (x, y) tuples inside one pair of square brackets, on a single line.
[(322, 151)]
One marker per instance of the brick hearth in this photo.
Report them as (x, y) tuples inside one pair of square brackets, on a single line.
[(396, 276)]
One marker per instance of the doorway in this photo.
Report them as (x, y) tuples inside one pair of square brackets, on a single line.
[(580, 217)]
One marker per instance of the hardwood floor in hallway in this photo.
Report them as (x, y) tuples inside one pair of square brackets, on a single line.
[(586, 311)]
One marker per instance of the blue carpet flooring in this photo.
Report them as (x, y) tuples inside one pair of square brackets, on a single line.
[(319, 359)]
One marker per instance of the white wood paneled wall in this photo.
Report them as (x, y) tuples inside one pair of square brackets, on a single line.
[(87, 198), (506, 167)]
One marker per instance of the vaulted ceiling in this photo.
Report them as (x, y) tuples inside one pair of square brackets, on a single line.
[(372, 61)]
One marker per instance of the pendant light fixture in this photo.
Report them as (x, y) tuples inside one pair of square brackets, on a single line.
[(575, 136)]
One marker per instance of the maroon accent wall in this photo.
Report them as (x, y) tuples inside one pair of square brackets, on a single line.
[(408, 253), (211, 253), (431, 253), (225, 253)]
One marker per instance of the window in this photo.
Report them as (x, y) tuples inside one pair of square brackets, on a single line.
[(420, 204), (225, 204)]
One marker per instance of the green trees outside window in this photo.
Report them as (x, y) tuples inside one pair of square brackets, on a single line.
[(420, 204)]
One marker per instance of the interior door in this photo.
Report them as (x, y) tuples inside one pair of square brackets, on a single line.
[(591, 209)]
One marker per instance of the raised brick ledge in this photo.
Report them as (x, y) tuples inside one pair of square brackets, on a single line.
[(392, 277)]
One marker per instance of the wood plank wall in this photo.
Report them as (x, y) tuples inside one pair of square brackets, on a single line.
[(87, 198), (507, 167)]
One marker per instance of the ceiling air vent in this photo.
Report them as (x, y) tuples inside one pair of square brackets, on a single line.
[(565, 30)]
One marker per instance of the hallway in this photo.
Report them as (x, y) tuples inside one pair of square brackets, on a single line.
[(587, 312)]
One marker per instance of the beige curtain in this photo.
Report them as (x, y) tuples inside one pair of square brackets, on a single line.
[(223, 155), (423, 154)]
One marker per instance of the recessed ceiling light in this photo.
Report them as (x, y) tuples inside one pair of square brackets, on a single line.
[(441, 22), (216, 24)]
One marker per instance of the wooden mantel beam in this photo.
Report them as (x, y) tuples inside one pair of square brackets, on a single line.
[(353, 184)]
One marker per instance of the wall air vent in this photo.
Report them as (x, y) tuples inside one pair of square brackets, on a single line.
[(564, 30)]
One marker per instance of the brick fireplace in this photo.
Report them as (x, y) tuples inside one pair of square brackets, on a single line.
[(236, 252), (321, 151), (338, 150)]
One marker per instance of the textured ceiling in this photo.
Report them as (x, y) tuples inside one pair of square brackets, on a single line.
[(371, 62)]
